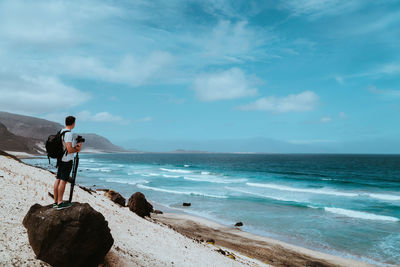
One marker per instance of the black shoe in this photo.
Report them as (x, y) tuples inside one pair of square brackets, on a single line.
[(63, 205)]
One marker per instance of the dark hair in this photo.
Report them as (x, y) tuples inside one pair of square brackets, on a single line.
[(69, 120)]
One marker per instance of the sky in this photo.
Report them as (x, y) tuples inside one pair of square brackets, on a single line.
[(299, 75)]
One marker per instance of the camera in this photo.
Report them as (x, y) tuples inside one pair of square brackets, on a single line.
[(80, 139)]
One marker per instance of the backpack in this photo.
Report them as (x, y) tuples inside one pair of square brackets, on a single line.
[(54, 146)]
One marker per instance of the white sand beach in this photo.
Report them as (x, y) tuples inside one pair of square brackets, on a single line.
[(137, 241)]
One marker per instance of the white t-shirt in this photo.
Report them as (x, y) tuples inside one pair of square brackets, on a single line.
[(68, 137)]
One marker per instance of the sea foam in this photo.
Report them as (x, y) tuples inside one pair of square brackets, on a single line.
[(99, 169), (304, 190), (124, 181), (178, 192), (171, 176), (213, 179), (175, 170), (296, 202), (385, 197), (361, 215)]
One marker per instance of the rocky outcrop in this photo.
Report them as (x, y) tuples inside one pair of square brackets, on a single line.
[(185, 204), (139, 205), (116, 197), (76, 236)]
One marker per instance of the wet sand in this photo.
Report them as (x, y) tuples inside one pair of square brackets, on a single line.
[(267, 250)]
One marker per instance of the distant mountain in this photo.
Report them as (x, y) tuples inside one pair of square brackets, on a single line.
[(28, 134), (30, 127), (12, 142), (97, 142)]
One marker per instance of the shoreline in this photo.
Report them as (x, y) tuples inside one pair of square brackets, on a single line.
[(265, 249), (206, 227), (246, 245)]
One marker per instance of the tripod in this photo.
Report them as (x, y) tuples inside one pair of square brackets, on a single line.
[(74, 171)]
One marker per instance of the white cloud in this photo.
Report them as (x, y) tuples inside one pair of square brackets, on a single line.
[(321, 8), (230, 84), (33, 32), (304, 101), (232, 42), (41, 94), (130, 70), (325, 119), (339, 79), (134, 42), (377, 24), (385, 93), (377, 72), (54, 23), (223, 8), (145, 119), (99, 117), (391, 68)]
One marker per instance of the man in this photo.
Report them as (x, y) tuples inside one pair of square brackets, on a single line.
[(65, 164)]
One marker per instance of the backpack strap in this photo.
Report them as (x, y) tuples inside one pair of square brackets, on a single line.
[(62, 138)]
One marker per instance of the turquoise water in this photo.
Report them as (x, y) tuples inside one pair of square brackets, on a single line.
[(347, 205)]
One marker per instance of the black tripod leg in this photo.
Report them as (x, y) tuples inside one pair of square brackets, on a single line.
[(74, 171)]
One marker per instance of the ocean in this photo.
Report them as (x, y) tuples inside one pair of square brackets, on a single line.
[(346, 205)]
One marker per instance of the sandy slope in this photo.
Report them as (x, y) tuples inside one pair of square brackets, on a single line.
[(137, 242), (266, 249)]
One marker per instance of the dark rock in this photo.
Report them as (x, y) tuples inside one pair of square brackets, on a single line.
[(158, 212), (186, 204), (221, 251), (90, 191), (116, 198), (211, 241), (239, 224), (77, 236), (103, 189), (139, 205)]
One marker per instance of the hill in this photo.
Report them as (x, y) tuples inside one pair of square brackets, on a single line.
[(28, 134), (12, 142)]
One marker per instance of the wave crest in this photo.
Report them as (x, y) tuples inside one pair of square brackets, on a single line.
[(175, 170), (303, 190), (361, 215), (178, 192)]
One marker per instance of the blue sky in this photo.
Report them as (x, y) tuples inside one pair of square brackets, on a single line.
[(316, 76)]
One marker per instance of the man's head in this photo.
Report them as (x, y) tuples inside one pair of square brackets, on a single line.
[(70, 122)]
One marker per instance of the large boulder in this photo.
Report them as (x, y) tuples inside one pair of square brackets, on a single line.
[(76, 236), (116, 198), (139, 205)]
